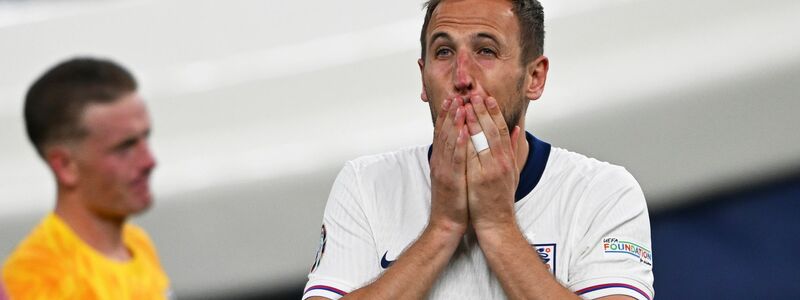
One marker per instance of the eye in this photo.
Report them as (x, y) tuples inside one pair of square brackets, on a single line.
[(443, 52), (487, 51), (126, 146)]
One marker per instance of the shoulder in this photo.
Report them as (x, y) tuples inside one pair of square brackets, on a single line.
[(403, 162), (366, 181), (590, 172), (46, 241), (388, 160), (44, 253), (590, 184)]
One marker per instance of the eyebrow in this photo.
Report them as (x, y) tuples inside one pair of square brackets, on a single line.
[(484, 35), (131, 140), (476, 37), (440, 35)]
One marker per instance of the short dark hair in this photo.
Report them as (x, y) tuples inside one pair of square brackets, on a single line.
[(530, 16), (55, 102)]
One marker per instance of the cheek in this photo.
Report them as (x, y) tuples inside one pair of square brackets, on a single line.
[(487, 64), (439, 73), (111, 171), (505, 84), (435, 88)]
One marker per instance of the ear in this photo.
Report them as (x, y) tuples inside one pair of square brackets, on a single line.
[(536, 77), (424, 94), (64, 165)]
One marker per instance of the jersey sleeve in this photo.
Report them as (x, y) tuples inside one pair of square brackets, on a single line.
[(614, 253), (35, 274), (346, 256)]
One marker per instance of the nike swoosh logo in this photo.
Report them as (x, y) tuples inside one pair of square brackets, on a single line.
[(386, 263)]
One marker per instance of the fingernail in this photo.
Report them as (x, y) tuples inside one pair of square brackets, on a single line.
[(446, 104), (459, 111), (477, 99), (491, 103)]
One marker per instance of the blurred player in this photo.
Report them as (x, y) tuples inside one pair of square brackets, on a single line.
[(91, 127), (487, 211)]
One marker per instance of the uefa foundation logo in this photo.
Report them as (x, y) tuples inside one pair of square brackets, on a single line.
[(617, 246)]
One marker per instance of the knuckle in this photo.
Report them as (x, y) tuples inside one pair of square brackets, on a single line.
[(449, 145), (482, 179), (496, 110), (503, 128), (434, 162), (505, 169), (494, 174), (436, 174)]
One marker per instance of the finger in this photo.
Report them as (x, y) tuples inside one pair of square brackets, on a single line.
[(475, 129), (472, 120), (452, 126), (460, 153), (499, 120), (438, 137), (473, 158), (441, 115), (447, 124), (488, 126)]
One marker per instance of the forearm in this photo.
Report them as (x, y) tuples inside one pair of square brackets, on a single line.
[(518, 267), (412, 275)]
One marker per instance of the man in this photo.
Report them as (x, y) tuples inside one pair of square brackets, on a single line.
[(467, 218), (91, 127)]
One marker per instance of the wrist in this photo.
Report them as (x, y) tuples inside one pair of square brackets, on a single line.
[(497, 233), (444, 230)]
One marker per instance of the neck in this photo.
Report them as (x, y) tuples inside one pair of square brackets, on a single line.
[(101, 233)]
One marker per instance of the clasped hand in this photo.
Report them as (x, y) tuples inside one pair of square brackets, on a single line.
[(470, 188)]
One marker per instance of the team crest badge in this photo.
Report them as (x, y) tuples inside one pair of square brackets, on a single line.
[(323, 238), (547, 253)]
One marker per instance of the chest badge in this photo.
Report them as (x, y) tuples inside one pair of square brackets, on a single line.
[(547, 253)]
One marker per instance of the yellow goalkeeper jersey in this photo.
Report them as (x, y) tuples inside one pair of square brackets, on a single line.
[(54, 263)]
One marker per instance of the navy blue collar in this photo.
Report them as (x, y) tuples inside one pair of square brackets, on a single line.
[(538, 152)]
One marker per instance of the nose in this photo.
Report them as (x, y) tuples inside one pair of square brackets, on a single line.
[(463, 81), (146, 158)]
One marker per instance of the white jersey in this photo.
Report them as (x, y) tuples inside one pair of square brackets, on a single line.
[(587, 220)]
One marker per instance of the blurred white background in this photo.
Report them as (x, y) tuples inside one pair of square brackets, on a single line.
[(257, 104)]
